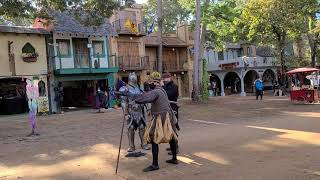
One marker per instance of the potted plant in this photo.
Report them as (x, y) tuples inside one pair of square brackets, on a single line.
[(30, 57)]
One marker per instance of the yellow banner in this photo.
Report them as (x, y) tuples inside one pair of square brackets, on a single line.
[(130, 25)]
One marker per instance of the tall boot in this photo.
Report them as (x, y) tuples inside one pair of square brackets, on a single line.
[(144, 145), (131, 140)]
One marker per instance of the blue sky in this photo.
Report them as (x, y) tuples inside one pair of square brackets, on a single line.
[(141, 1)]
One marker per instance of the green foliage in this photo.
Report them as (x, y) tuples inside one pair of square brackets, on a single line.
[(172, 13), (222, 21), (95, 11), (205, 81), (275, 23)]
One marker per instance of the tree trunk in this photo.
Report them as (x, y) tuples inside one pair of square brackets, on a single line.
[(202, 41), (196, 53), (282, 61), (313, 48), (159, 14)]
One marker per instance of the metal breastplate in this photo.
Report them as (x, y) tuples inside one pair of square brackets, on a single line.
[(132, 105)]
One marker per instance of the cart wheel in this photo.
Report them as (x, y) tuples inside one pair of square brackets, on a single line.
[(300, 99)]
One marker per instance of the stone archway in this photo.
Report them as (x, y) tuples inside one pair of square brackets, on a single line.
[(268, 78), (214, 79), (232, 83), (42, 88), (249, 79)]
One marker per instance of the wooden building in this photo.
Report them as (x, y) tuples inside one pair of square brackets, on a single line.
[(128, 46), (80, 58), (177, 59), (22, 56)]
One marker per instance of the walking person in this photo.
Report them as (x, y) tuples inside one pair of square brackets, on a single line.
[(259, 88), (162, 115), (172, 91)]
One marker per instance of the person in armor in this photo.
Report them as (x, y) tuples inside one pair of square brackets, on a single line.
[(134, 112)]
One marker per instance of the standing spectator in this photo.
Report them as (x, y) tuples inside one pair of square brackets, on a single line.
[(214, 87), (210, 89), (59, 97), (259, 88), (100, 100), (173, 94)]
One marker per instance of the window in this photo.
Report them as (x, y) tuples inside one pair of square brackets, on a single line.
[(220, 56), (64, 47), (98, 49), (239, 52), (249, 51), (28, 48), (42, 88)]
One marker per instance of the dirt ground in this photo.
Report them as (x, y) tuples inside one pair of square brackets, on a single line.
[(228, 138)]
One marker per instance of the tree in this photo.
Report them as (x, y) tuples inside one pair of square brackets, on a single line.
[(205, 80), (172, 13), (274, 22), (221, 18), (309, 11), (95, 10), (196, 52), (160, 20)]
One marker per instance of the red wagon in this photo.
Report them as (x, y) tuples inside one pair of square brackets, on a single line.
[(304, 85)]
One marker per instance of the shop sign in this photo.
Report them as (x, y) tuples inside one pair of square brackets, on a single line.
[(43, 104)]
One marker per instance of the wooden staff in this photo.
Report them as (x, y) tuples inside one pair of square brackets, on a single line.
[(124, 119)]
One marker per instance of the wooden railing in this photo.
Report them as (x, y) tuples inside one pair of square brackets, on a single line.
[(119, 26), (133, 62)]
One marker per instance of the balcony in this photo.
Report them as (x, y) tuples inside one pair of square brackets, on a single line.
[(174, 66), (84, 64), (241, 62), (119, 26), (133, 63)]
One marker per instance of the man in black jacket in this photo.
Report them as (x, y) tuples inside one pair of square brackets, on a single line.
[(173, 94)]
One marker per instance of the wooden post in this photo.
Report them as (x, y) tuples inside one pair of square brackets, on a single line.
[(12, 65), (159, 15)]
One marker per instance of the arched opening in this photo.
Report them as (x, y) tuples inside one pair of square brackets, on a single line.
[(232, 84), (249, 79), (28, 48), (268, 79), (42, 88), (215, 83)]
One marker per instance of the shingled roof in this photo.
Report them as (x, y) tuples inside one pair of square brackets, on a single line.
[(64, 22), (166, 41), (22, 30)]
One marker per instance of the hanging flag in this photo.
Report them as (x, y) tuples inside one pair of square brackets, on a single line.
[(130, 25), (151, 28)]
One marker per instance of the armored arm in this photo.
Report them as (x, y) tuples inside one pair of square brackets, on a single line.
[(124, 99)]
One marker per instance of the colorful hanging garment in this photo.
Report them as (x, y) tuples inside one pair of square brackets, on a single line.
[(33, 95)]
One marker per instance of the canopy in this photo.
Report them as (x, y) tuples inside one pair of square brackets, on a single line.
[(312, 76), (300, 70)]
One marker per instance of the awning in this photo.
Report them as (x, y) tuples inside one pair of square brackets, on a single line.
[(300, 70)]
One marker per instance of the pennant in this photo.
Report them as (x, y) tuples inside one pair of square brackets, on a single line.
[(151, 28), (130, 25)]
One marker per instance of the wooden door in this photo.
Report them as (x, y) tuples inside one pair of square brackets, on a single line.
[(170, 59), (129, 53), (81, 52)]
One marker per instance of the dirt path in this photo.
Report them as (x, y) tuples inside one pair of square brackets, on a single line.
[(231, 138)]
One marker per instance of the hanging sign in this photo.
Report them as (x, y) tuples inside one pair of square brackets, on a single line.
[(43, 104)]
